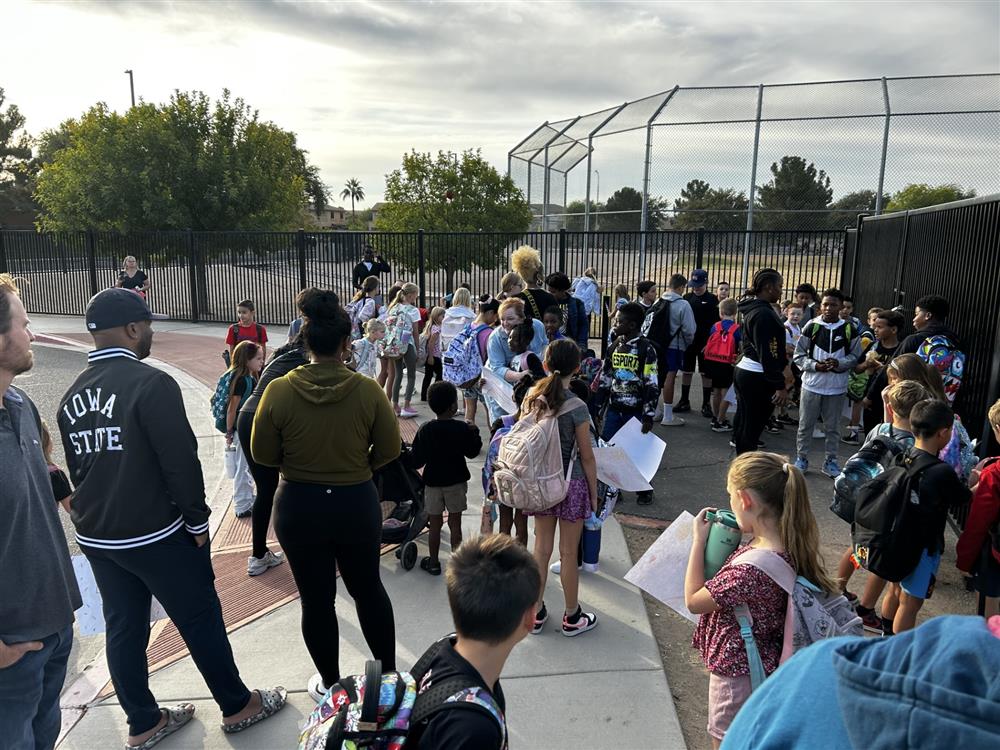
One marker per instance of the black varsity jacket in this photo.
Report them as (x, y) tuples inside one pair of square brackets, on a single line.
[(131, 454)]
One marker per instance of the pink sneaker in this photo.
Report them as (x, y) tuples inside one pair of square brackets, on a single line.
[(406, 413)]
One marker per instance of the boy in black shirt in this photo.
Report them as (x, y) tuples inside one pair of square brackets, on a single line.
[(441, 447), (493, 582), (938, 489)]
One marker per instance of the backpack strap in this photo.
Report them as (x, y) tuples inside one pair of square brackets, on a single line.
[(368, 722), (774, 567), (259, 337), (745, 620), (534, 304)]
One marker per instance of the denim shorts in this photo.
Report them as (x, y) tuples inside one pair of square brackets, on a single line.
[(920, 583)]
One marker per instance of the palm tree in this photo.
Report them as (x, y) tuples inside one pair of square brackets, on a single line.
[(354, 191)]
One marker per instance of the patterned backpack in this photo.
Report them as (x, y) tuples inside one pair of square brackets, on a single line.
[(398, 334), (941, 352), (812, 615), (224, 390), (462, 363), (350, 716), (354, 311)]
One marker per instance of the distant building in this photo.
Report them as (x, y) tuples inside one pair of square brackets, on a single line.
[(331, 217), (374, 209)]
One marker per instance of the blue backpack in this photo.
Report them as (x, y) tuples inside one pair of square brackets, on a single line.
[(220, 400), (462, 364)]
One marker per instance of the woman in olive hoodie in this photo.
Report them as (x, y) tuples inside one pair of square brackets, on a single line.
[(326, 428)]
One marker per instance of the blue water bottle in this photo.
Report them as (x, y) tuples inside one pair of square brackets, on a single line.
[(591, 543)]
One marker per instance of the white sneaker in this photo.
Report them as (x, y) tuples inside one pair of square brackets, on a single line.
[(818, 434), (556, 567), (256, 566), (675, 422), (316, 688), (408, 413)]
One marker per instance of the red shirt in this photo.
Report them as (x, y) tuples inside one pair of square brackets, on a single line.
[(717, 636), (983, 514), (239, 332)]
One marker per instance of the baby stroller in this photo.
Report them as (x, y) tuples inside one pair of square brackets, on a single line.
[(399, 483)]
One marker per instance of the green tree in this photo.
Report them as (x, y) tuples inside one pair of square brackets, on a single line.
[(701, 205), (844, 211), (186, 163), (16, 166), (794, 186), (353, 191), (453, 193), (923, 195), (623, 211), (575, 215)]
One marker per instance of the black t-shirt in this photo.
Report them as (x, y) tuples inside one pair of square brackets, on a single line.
[(939, 489), (461, 728), (60, 483), (536, 302), (706, 313), (441, 447), (133, 282)]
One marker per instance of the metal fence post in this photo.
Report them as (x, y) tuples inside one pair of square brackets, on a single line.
[(92, 261), (643, 219), (192, 276), (699, 253), (885, 147), (753, 188), (562, 250), (300, 242), (3, 251), (421, 268)]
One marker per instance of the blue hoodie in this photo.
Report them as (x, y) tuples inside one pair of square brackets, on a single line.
[(934, 687)]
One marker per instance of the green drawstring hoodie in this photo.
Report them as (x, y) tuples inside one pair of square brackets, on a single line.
[(325, 424)]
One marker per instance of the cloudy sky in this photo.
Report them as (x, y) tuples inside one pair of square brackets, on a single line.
[(363, 82)]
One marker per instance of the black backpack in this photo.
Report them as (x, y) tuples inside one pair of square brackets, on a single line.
[(888, 535), (656, 324), (874, 457)]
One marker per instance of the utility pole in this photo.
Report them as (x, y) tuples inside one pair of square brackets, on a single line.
[(597, 202), (131, 85)]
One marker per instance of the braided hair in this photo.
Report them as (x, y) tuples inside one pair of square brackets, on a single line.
[(763, 278)]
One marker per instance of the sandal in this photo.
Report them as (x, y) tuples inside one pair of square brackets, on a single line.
[(177, 716), (434, 568), (272, 700)]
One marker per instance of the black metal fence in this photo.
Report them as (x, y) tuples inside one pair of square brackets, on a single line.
[(952, 250), (200, 276)]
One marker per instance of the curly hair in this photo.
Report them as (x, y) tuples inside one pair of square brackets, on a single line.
[(526, 262)]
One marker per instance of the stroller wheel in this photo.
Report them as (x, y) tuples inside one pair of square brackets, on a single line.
[(408, 556)]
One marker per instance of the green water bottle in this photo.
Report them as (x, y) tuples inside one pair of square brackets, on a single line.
[(724, 536)]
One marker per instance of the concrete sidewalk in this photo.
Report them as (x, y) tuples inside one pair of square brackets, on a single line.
[(604, 690)]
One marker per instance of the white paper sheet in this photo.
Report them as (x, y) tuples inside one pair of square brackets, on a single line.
[(645, 451), (615, 468), (499, 390), (90, 616), (661, 569), (730, 396)]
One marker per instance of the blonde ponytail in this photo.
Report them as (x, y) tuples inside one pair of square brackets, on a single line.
[(782, 490)]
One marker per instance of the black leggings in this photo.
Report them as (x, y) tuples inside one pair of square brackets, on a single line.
[(266, 480), (755, 408), (431, 369), (323, 529)]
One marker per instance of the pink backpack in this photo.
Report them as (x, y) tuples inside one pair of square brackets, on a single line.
[(528, 473)]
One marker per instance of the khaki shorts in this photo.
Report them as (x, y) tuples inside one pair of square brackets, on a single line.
[(450, 498), (725, 696)]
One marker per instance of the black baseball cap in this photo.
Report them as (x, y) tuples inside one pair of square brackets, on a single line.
[(114, 308)]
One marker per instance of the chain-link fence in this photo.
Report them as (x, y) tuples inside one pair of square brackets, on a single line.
[(775, 157)]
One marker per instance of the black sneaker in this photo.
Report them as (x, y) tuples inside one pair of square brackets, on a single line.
[(724, 426), (717, 426), (579, 622), (644, 498), (541, 617), (682, 406), (869, 619), (773, 427), (785, 419), (706, 412)]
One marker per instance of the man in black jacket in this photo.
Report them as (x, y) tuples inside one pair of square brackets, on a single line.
[(370, 265), (141, 519), (760, 373)]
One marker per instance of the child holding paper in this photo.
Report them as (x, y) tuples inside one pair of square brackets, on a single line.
[(628, 381)]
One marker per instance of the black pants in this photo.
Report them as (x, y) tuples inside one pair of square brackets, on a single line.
[(432, 370), (323, 529), (755, 408), (179, 574), (266, 480)]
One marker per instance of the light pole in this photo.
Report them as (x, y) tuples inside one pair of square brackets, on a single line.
[(131, 85), (597, 203)]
